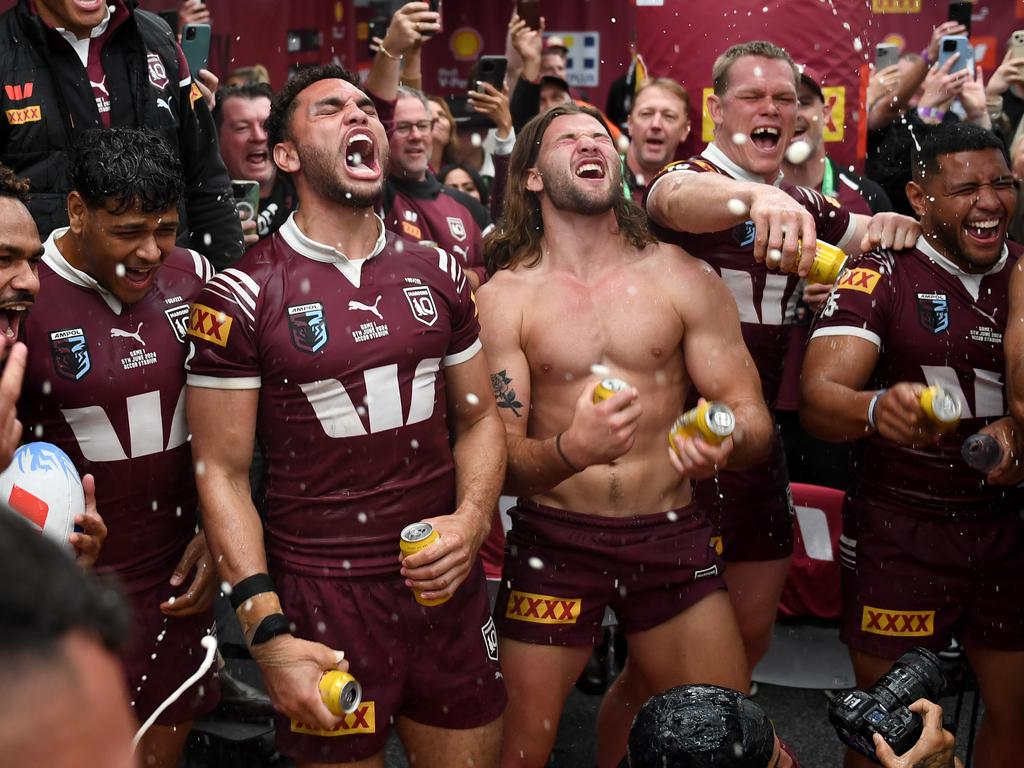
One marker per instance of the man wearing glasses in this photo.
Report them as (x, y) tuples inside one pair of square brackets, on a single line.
[(416, 205)]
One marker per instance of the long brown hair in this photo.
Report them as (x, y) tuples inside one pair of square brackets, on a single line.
[(517, 237)]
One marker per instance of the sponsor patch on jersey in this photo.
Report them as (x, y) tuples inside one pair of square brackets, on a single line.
[(363, 720), (18, 91), (412, 230), (863, 280), (490, 634), (209, 324), (157, 71), (743, 234), (178, 318), (542, 609), (457, 228), (308, 326), (24, 115), (881, 621), (70, 352), (421, 302), (933, 312)]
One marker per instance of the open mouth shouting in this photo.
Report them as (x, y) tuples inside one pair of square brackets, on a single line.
[(361, 156), (590, 169), (765, 138), (984, 231), (11, 313), (137, 279)]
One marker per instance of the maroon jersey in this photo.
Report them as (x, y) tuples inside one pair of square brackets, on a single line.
[(427, 213), (933, 324), (352, 418), (766, 300), (105, 383)]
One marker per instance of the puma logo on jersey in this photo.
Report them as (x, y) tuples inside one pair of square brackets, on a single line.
[(366, 307), (101, 86), (163, 103), (117, 333)]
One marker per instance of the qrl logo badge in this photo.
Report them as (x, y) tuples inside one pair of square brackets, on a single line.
[(363, 720), (542, 609), (880, 621), (178, 318), (308, 326), (421, 302), (70, 353), (457, 228), (209, 325), (157, 72)]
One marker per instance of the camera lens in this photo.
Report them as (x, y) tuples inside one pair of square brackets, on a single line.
[(949, 46), (917, 675)]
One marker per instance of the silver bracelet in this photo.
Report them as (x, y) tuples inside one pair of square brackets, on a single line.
[(871, 408)]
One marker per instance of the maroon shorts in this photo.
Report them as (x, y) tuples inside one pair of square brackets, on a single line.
[(436, 665), (162, 653), (751, 511), (909, 581), (563, 569)]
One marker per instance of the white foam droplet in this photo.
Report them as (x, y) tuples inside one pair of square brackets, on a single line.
[(38, 431), (200, 467), (774, 257), (476, 140), (361, 517), (672, 515), (758, 72), (623, 143), (600, 370), (739, 138), (472, 399), (857, 44), (536, 563), (119, 270), (225, 588), (414, 444), (207, 239), (798, 152), (736, 206)]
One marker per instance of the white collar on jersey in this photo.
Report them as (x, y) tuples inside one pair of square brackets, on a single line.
[(311, 249), (971, 281), (714, 154), (55, 260)]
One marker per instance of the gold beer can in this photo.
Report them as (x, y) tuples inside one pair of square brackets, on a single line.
[(713, 422), (941, 407), (341, 692), (828, 263), (415, 537), (608, 388)]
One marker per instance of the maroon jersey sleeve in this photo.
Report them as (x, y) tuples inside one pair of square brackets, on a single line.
[(833, 223), (861, 302), (222, 333), (465, 327)]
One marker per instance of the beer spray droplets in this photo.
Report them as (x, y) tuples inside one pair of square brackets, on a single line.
[(798, 152), (736, 206), (119, 270), (600, 370), (739, 138), (536, 563), (472, 399)]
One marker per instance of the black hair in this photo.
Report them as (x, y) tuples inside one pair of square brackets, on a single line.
[(474, 175), (701, 726), (250, 90), (279, 123), (11, 185), (44, 595), (126, 167), (948, 139)]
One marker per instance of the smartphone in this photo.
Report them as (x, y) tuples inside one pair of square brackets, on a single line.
[(960, 11), (247, 198), (435, 6), (488, 69), (950, 44), (195, 44), (377, 27), (529, 11), (886, 54), (1017, 44)]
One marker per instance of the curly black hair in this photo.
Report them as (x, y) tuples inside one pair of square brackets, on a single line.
[(11, 185), (279, 122), (948, 139), (125, 167)]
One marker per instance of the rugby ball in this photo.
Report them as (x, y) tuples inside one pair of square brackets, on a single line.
[(42, 485)]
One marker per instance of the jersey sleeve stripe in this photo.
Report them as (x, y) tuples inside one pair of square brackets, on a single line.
[(848, 235), (202, 266), (241, 276), (848, 330), (227, 280), (442, 262), (460, 357), (217, 382), (228, 295)]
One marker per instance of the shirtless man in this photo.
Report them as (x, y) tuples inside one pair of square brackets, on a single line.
[(605, 516)]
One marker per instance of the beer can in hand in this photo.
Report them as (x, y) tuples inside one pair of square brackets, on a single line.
[(941, 407), (712, 422), (608, 388), (828, 263), (341, 692), (415, 537)]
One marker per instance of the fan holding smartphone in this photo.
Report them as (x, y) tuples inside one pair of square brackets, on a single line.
[(1004, 91)]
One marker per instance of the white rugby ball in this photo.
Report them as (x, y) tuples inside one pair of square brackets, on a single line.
[(43, 486)]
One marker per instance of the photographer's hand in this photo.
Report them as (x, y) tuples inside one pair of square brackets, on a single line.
[(933, 750)]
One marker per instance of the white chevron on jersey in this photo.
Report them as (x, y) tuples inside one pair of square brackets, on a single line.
[(204, 269), (450, 265), (238, 288)]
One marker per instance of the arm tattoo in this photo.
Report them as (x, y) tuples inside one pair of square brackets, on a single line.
[(503, 392)]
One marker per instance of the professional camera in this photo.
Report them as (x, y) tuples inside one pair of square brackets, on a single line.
[(883, 709)]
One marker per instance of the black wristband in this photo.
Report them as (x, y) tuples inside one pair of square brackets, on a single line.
[(558, 447), (249, 587), (270, 627)]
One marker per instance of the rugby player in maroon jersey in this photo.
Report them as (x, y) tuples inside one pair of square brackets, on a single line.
[(105, 383), (605, 518), (931, 549), (730, 207), (353, 356)]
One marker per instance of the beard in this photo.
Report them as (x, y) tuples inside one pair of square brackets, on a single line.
[(565, 195), (320, 170)]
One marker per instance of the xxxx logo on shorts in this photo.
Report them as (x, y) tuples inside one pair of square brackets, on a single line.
[(863, 280), (363, 720), (879, 621), (542, 609), (209, 324)]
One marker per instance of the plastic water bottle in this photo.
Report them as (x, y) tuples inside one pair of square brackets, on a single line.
[(982, 452)]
